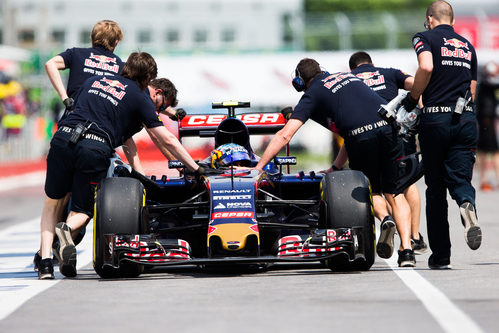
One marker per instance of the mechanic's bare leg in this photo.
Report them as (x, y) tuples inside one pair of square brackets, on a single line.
[(381, 209), (51, 213), (76, 221), (413, 199), (402, 216)]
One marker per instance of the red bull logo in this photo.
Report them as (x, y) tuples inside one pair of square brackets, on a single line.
[(115, 83), (102, 62), (102, 58), (456, 43), (458, 51), (110, 89), (367, 75)]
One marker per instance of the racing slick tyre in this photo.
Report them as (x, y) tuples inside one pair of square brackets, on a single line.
[(119, 208), (346, 203)]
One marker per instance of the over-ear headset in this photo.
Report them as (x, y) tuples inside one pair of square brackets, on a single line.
[(298, 82)]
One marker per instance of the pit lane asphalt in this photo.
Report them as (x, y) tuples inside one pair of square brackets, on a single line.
[(285, 298)]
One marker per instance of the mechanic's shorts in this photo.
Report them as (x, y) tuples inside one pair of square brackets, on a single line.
[(375, 153), (76, 168)]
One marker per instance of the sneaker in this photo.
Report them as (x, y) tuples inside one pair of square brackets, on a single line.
[(45, 269), (66, 253), (384, 248), (439, 263), (406, 258), (38, 257), (472, 231), (418, 245), (36, 261)]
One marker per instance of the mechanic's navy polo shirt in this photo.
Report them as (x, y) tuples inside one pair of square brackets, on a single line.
[(386, 82), (454, 65), (115, 105), (341, 98), (87, 62)]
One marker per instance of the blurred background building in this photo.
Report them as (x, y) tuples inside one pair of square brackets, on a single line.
[(213, 49)]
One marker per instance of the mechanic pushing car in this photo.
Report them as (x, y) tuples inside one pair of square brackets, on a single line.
[(344, 99), (446, 80), (82, 63), (386, 82), (79, 154)]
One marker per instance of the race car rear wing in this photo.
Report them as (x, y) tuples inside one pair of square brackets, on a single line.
[(205, 125)]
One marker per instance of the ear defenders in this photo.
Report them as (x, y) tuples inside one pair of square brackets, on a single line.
[(298, 82)]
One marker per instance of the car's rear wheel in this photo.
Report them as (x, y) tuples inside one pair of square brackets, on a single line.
[(347, 202), (119, 207)]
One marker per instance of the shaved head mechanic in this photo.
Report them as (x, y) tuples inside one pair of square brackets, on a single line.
[(446, 80), (344, 99)]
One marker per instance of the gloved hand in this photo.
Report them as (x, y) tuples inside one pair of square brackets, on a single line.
[(179, 114), (287, 112), (409, 103), (68, 103)]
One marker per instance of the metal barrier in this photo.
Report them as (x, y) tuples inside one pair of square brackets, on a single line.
[(28, 144)]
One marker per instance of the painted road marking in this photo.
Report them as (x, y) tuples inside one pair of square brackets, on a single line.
[(447, 314), (25, 180), (18, 281)]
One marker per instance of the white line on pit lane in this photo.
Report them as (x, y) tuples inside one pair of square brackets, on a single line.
[(18, 281), (446, 313), (28, 179)]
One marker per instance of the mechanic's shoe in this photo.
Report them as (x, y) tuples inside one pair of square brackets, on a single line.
[(66, 254), (45, 269), (418, 245), (406, 258), (37, 258), (472, 231), (384, 248), (439, 263)]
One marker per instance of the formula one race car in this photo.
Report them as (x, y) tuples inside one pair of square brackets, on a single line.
[(234, 216)]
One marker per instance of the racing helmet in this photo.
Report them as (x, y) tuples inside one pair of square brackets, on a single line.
[(230, 154)]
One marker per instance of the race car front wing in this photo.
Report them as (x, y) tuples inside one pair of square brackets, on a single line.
[(148, 250)]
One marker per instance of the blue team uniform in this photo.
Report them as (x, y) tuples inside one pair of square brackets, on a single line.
[(112, 109), (448, 140), (86, 62), (386, 82), (343, 99)]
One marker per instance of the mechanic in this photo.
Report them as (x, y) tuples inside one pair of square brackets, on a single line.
[(446, 80), (344, 99), (386, 82), (80, 150), (83, 63), (486, 102), (164, 96)]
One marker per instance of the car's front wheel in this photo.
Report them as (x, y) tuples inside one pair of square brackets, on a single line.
[(119, 206), (346, 203)]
